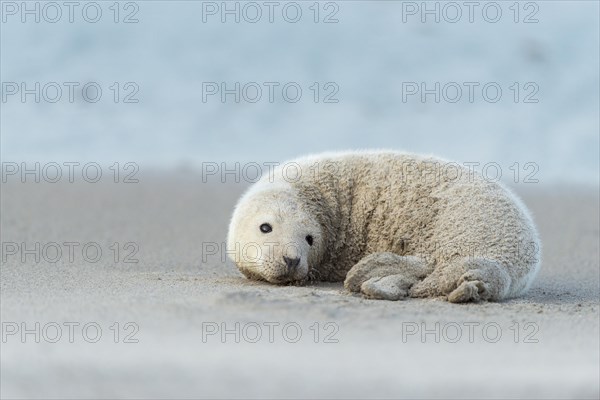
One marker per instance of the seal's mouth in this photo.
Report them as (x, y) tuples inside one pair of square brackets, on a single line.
[(286, 279), (288, 276)]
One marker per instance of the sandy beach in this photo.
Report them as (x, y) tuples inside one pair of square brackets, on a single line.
[(122, 290), (158, 313)]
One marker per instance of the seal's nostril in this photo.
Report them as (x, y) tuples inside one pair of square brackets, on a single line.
[(291, 262)]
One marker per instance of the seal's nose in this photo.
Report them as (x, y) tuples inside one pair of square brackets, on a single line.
[(291, 262)]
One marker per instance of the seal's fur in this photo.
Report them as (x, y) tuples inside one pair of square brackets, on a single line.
[(450, 231)]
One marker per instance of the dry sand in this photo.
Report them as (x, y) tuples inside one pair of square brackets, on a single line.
[(172, 295)]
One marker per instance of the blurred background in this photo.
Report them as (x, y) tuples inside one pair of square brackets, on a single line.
[(160, 92), (361, 54)]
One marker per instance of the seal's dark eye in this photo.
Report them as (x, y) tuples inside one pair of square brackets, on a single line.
[(309, 240), (266, 228)]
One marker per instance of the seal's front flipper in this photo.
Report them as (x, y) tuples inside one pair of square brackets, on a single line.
[(386, 276), (392, 287)]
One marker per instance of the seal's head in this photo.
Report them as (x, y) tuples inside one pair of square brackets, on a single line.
[(273, 236)]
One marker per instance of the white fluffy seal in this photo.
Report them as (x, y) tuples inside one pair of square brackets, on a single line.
[(389, 225)]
